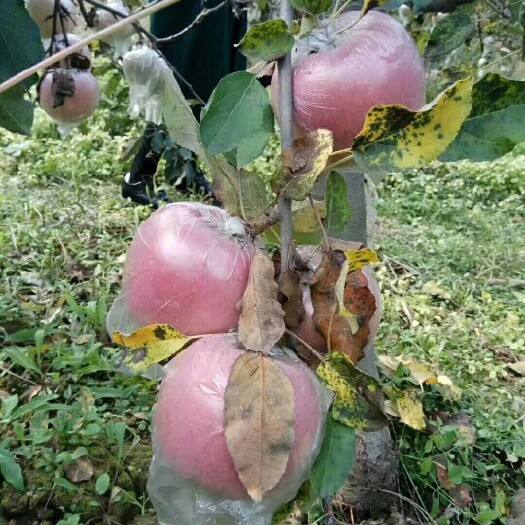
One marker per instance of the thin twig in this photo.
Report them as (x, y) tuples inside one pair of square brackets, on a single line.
[(304, 343), (7, 371), (320, 222), (75, 48), (203, 14)]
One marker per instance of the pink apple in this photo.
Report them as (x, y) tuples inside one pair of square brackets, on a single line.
[(348, 66), (41, 11), (185, 268), (189, 419), (76, 107)]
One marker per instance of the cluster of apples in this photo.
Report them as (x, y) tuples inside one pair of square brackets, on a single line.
[(69, 92), (188, 266)]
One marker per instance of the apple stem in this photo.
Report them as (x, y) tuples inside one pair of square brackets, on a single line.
[(285, 97)]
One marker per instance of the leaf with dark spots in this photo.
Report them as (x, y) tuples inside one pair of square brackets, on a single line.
[(343, 305), (259, 422)]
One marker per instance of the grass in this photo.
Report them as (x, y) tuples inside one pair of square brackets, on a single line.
[(452, 245)]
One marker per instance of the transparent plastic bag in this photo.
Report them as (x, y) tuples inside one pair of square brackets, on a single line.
[(121, 40), (187, 266), (192, 478), (145, 71)]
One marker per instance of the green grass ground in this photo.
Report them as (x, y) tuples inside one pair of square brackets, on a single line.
[(452, 249)]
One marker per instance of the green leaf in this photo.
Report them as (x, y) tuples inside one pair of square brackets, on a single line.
[(315, 7), (267, 41), (495, 125), (16, 113), (20, 42), (102, 483), (248, 149), (11, 470), (242, 192), (238, 108), (395, 138), (357, 395), (338, 209), (487, 517), (182, 126), (8, 405), (335, 460), (450, 33), (22, 358)]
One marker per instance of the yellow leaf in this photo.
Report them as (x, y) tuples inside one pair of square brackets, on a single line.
[(395, 138), (149, 345), (259, 422), (410, 409), (358, 259)]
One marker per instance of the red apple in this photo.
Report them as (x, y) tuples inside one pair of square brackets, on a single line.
[(189, 420), (347, 66), (76, 107), (306, 330), (185, 268)]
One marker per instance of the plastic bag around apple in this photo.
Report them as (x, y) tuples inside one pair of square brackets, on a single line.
[(188, 267), (193, 480), (145, 71)]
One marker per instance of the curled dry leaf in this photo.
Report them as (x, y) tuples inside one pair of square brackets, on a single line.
[(81, 470), (407, 406), (259, 422), (261, 323), (343, 305)]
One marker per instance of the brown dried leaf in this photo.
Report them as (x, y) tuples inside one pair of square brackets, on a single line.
[(343, 305), (81, 470), (259, 422), (292, 300), (261, 323)]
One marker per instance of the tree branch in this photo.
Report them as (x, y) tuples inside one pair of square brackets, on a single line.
[(203, 14), (75, 48), (286, 101)]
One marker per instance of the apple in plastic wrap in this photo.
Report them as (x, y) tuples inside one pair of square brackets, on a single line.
[(188, 267), (346, 66)]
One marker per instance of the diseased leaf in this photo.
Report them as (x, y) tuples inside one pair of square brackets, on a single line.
[(358, 259), (408, 406), (261, 323), (338, 209), (239, 107), (315, 7), (343, 305), (259, 422), (182, 126), (267, 41), (242, 192), (395, 138), (450, 32), (303, 163), (495, 125), (335, 460), (358, 397), (292, 297), (148, 346)]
